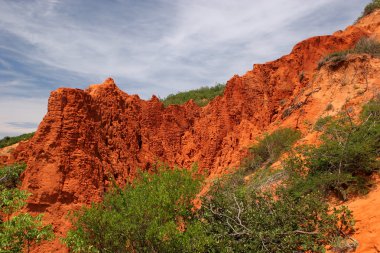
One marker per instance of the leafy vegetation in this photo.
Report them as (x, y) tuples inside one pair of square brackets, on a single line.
[(363, 46), (244, 216), (270, 148), (346, 159), (21, 231), (154, 214), (201, 96), (242, 219), (293, 216), (8, 141), (9, 175), (371, 7)]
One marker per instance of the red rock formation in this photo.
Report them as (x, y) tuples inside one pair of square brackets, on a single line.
[(89, 135)]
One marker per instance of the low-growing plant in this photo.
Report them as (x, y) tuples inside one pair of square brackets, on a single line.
[(270, 148), (23, 231), (367, 46), (19, 232), (343, 245), (9, 175), (335, 58), (8, 141), (201, 96), (321, 123)]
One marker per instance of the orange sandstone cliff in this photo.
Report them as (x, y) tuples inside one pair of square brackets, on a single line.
[(92, 134)]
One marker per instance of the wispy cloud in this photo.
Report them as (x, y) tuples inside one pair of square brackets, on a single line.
[(151, 47)]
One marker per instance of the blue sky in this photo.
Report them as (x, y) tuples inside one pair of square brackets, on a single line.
[(148, 46)]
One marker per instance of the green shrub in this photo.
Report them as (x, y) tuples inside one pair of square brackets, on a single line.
[(371, 7), (8, 141), (142, 217), (201, 96), (23, 231), (19, 232), (347, 147), (336, 58), (242, 219), (321, 123), (270, 148), (346, 159), (12, 200), (9, 175), (367, 46)]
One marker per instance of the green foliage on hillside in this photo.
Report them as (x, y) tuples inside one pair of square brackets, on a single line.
[(371, 7), (363, 46), (146, 216), (8, 141), (346, 159), (270, 148), (18, 233), (243, 219), (244, 216), (201, 96), (9, 175)]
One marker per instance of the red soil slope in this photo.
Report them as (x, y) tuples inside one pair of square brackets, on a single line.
[(366, 212), (89, 135)]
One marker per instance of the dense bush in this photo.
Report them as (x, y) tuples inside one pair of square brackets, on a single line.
[(7, 141), (18, 233), (363, 46), (201, 96), (154, 214), (243, 219), (371, 7), (346, 159)]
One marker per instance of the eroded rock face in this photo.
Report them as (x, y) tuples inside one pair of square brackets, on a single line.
[(88, 136)]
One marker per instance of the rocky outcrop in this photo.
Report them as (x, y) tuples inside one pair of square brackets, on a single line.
[(89, 136)]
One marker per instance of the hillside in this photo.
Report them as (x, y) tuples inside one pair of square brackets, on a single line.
[(88, 135)]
